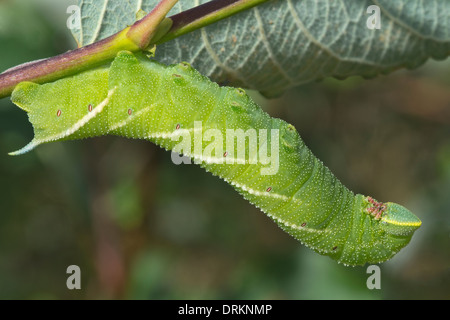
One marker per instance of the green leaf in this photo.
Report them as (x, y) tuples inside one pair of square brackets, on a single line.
[(286, 43)]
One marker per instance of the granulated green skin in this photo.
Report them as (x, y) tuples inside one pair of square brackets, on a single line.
[(139, 98)]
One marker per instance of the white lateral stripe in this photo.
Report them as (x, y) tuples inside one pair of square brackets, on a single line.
[(209, 160), (282, 197), (34, 143), (130, 118), (169, 134), (162, 135), (83, 120), (297, 227), (260, 193)]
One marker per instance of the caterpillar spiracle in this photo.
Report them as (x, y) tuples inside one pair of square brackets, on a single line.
[(179, 109)]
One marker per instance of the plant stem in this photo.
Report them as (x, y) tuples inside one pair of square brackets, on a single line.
[(205, 14), (71, 62), (143, 30), (135, 38), (66, 64)]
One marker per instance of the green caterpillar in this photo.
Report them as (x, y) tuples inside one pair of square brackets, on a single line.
[(181, 110)]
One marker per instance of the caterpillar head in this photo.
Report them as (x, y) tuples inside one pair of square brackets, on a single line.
[(399, 221), (394, 219), (385, 228)]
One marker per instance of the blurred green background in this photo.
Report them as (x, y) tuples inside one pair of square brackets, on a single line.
[(140, 227)]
